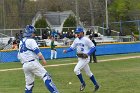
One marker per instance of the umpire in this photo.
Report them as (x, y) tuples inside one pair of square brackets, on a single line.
[(93, 54)]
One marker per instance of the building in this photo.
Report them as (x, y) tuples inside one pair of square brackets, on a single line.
[(54, 19)]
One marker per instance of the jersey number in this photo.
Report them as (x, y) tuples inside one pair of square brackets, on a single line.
[(23, 48)]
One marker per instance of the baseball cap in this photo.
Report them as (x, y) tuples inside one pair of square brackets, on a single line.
[(78, 30)]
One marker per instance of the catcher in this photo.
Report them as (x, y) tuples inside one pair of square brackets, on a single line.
[(85, 48), (29, 55)]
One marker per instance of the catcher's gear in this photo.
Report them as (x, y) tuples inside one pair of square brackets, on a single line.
[(29, 30), (82, 55)]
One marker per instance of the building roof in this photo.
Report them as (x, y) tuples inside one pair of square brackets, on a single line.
[(57, 18), (54, 19)]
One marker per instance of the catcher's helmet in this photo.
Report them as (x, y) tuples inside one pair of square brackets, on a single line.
[(29, 30), (79, 29)]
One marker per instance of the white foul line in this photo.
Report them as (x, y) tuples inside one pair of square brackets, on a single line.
[(55, 65), (122, 58), (3, 70)]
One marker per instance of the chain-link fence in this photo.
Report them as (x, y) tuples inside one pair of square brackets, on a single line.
[(65, 35), (126, 28), (64, 38)]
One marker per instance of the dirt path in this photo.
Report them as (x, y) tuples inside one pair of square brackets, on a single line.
[(55, 65)]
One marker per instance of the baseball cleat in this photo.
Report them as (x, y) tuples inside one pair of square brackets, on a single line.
[(96, 88), (82, 87)]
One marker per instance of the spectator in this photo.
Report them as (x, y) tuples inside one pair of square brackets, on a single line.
[(93, 55), (17, 37), (70, 35), (20, 35), (61, 36), (133, 36), (53, 33), (10, 41), (44, 35), (88, 32), (108, 31), (15, 45), (64, 34), (95, 34), (53, 49)]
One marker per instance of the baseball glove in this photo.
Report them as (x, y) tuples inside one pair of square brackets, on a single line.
[(82, 55)]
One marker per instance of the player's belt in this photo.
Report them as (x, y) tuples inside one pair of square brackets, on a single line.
[(29, 61)]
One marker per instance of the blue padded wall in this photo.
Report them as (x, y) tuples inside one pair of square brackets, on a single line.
[(11, 56)]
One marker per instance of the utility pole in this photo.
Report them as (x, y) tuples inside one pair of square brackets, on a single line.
[(139, 28), (21, 12), (4, 16), (106, 14), (91, 12), (77, 12)]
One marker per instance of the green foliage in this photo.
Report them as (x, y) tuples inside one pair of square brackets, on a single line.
[(119, 9), (1, 16), (21, 12), (70, 22), (41, 23), (135, 4)]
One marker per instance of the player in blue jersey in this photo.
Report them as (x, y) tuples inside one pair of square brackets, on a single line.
[(85, 48), (29, 55)]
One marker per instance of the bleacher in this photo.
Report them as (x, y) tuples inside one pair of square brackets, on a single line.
[(4, 42), (105, 39)]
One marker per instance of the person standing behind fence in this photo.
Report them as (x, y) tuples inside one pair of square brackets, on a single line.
[(29, 55), (14, 45), (93, 55), (53, 49), (133, 36)]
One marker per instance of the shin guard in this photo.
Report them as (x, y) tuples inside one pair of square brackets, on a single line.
[(51, 86), (49, 83)]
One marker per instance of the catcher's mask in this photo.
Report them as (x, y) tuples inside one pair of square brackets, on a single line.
[(29, 30)]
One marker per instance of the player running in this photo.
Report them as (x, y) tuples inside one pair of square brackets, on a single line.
[(85, 48), (29, 55)]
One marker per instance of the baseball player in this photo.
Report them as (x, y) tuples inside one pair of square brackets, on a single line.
[(53, 49), (29, 55), (85, 48)]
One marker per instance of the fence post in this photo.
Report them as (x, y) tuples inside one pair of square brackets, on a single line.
[(120, 26), (139, 28), (103, 29), (11, 33)]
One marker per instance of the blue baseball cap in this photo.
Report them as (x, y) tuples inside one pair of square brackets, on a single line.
[(78, 30), (29, 30)]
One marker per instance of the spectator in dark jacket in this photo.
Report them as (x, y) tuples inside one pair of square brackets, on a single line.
[(93, 55)]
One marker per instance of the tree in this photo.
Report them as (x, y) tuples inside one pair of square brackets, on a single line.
[(21, 12), (41, 23), (119, 10), (70, 22)]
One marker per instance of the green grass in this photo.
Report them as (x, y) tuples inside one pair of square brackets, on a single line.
[(120, 76)]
